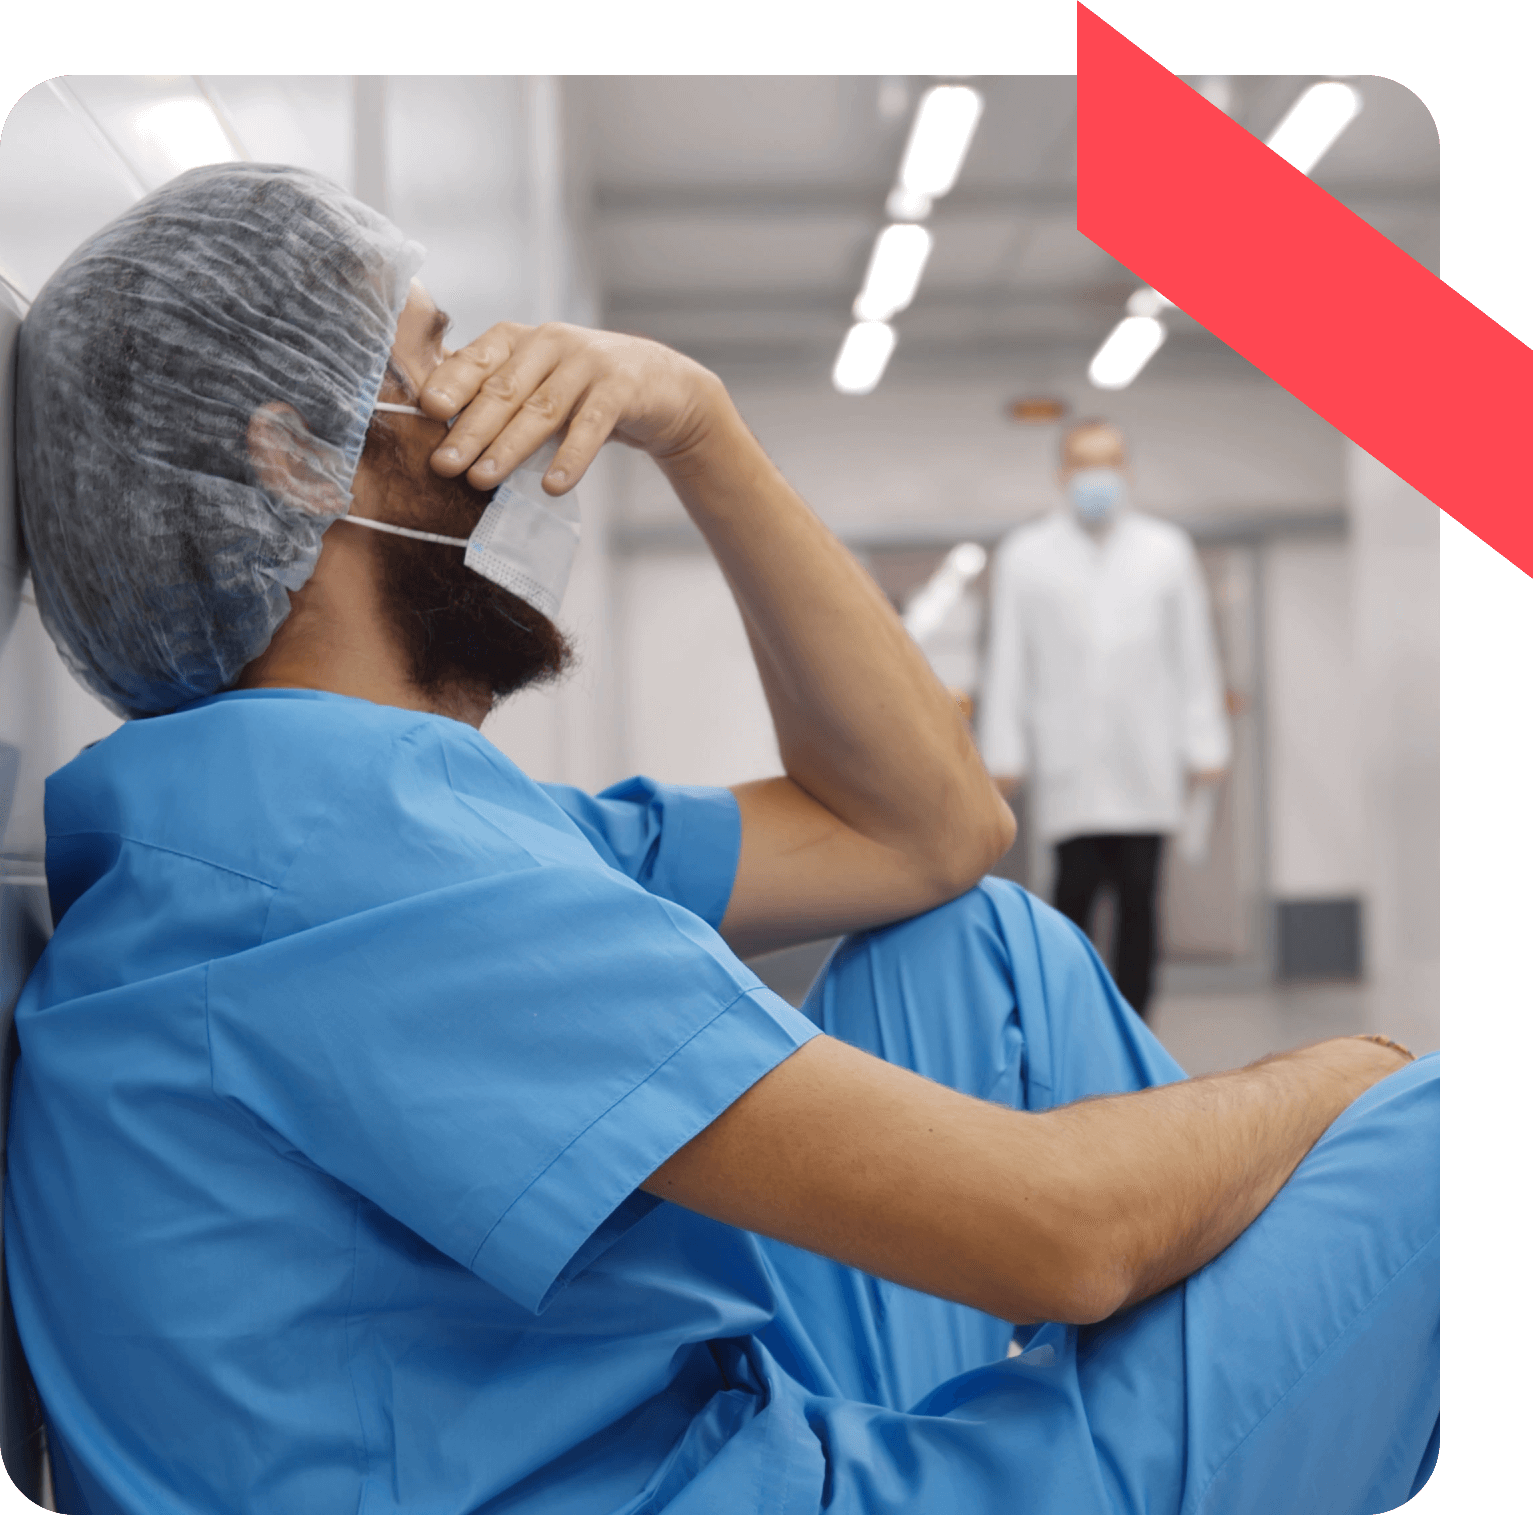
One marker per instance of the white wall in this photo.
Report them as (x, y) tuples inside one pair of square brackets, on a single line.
[(475, 168), (1316, 827), (693, 708), (1395, 597)]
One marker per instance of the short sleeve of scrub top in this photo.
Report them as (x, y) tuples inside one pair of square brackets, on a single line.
[(470, 1009), (679, 841)]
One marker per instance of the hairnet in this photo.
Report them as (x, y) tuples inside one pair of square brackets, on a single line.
[(161, 565)]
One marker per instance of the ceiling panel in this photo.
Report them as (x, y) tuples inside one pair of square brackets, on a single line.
[(738, 130), (704, 255), (972, 250), (1392, 141), (1026, 134), (1056, 254)]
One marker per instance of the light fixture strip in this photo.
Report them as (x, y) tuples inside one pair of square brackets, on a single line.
[(1302, 138), (1129, 346), (939, 139), (863, 357), (1313, 123), (894, 271)]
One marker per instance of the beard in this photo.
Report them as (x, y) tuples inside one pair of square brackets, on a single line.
[(462, 634)]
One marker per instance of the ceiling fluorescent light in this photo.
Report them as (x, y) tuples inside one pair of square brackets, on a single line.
[(187, 132), (1129, 346), (945, 121), (1148, 302), (863, 357), (902, 205), (894, 271), (1218, 90), (1315, 120)]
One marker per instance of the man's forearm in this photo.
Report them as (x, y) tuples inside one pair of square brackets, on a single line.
[(1169, 1177), (1066, 1214), (862, 722)]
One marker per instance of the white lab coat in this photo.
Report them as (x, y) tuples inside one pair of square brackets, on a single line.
[(1102, 683)]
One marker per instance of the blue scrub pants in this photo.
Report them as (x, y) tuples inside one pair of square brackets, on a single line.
[(1297, 1372)]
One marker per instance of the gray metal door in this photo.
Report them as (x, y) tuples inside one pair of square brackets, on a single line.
[(1212, 909)]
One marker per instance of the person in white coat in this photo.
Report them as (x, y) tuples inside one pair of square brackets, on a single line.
[(1103, 690)]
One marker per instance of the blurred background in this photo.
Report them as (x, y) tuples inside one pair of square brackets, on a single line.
[(742, 220)]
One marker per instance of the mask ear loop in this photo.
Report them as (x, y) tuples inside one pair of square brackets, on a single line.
[(410, 410), (404, 531), (407, 531)]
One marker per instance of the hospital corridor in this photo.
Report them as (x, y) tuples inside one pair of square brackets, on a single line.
[(593, 994)]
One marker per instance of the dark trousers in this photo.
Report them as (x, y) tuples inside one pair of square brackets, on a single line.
[(1128, 865)]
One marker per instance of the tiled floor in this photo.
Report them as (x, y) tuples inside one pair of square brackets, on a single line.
[(1206, 1032)]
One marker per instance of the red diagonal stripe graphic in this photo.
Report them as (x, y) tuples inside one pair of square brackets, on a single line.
[(1310, 293)]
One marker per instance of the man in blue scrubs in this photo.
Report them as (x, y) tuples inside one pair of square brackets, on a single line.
[(392, 1132)]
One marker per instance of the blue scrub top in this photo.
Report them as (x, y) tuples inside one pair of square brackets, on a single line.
[(339, 1078)]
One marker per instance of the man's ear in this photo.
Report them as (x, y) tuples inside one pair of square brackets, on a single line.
[(289, 463)]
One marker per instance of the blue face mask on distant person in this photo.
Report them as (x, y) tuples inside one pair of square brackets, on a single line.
[(525, 541), (1096, 493)]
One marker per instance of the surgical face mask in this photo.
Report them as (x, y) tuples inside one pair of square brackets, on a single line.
[(525, 540), (1096, 493)]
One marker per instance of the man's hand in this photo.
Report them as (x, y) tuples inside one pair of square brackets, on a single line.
[(516, 386)]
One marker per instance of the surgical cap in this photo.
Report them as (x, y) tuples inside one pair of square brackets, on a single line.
[(161, 564)]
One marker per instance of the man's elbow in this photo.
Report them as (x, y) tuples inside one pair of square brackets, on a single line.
[(1002, 823), (951, 845), (1074, 1296), (1092, 1296), (1077, 1270), (970, 846)]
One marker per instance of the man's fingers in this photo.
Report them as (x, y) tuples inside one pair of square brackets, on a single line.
[(534, 386), (588, 430), (543, 413), (483, 385), (456, 380), (515, 387)]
